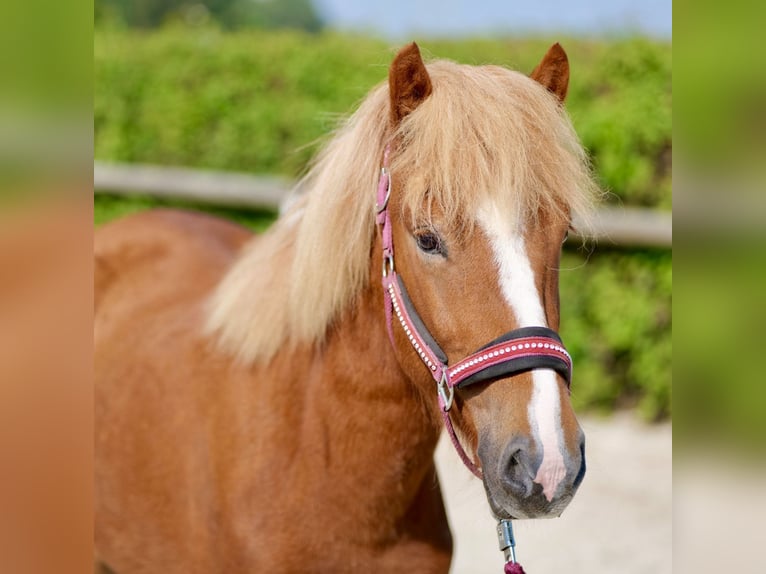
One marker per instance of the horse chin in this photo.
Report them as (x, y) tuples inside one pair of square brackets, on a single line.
[(504, 507)]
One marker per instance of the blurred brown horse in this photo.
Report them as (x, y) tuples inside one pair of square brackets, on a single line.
[(252, 414)]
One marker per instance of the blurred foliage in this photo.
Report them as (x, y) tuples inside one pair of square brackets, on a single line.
[(46, 92), (299, 14), (45, 67), (109, 207), (721, 132), (719, 376), (260, 102), (616, 319), (722, 123), (252, 101)]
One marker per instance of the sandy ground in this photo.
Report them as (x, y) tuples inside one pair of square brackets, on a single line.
[(620, 521)]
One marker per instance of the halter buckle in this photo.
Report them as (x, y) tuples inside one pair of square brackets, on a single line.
[(384, 173), (446, 392)]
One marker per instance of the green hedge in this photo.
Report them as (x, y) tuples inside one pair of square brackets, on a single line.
[(260, 101), (616, 320), (255, 101)]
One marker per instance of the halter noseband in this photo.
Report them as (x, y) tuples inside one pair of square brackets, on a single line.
[(514, 352)]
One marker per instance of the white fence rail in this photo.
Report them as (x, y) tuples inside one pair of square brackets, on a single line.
[(630, 227)]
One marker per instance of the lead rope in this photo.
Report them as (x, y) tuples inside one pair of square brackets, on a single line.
[(440, 371)]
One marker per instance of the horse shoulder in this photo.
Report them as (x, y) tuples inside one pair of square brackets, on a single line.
[(155, 377)]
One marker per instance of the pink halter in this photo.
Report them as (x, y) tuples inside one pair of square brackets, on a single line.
[(510, 354)]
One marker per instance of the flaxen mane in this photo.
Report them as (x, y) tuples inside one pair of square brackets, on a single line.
[(483, 132)]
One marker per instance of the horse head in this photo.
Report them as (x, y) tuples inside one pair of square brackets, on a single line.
[(485, 176)]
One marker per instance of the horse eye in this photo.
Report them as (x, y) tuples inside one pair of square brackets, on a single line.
[(429, 242)]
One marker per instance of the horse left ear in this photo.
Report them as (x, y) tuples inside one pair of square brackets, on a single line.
[(408, 82), (553, 72)]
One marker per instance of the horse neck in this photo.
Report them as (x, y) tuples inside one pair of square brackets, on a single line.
[(373, 428)]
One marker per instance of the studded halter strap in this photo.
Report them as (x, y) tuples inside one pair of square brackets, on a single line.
[(514, 352)]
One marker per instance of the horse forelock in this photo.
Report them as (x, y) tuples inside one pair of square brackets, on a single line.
[(483, 133), (488, 133)]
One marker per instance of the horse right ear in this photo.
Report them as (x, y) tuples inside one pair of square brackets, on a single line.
[(408, 82), (553, 72)]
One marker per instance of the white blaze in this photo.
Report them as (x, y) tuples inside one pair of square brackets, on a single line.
[(517, 283)]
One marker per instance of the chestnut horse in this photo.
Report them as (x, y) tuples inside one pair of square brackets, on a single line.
[(252, 412)]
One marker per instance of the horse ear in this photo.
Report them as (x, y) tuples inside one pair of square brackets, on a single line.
[(408, 82), (553, 71)]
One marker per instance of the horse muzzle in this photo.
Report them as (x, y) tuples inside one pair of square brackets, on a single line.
[(521, 483)]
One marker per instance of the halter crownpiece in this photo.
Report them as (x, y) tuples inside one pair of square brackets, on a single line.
[(510, 354)]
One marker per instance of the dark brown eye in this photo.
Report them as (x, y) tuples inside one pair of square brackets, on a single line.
[(429, 242)]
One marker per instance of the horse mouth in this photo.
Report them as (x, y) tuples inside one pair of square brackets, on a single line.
[(498, 511), (501, 514), (533, 507)]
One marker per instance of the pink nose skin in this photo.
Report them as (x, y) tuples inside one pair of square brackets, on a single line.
[(550, 474)]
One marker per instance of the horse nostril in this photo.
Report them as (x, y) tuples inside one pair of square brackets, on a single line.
[(515, 470)]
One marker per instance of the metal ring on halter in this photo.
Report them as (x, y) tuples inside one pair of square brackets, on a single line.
[(379, 208), (388, 265), (446, 392)]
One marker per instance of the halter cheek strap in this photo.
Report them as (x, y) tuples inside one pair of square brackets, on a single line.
[(514, 352)]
